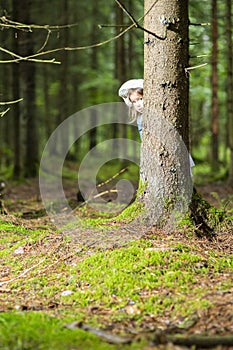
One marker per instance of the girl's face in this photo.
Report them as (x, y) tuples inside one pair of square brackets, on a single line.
[(137, 101)]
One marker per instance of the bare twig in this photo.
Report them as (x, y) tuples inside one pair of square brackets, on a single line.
[(199, 24), (43, 53), (4, 112), (22, 274), (6, 23), (46, 41), (19, 58), (11, 102), (194, 67), (199, 56), (113, 177), (34, 57), (100, 26), (91, 196), (137, 25), (8, 103), (51, 253)]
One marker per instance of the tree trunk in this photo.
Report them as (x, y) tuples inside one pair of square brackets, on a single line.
[(27, 72), (6, 123), (16, 110), (47, 119), (17, 124), (63, 103), (229, 86), (93, 90), (31, 156), (120, 71), (165, 170), (120, 60), (214, 86), (131, 64)]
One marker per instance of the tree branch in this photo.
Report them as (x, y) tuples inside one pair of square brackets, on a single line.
[(6, 23), (21, 26), (45, 42), (199, 24), (194, 67), (10, 102), (32, 57), (29, 58), (4, 112), (138, 25)]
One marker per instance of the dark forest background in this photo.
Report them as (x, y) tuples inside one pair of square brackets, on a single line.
[(87, 76)]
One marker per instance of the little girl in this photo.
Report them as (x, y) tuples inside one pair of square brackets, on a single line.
[(132, 93)]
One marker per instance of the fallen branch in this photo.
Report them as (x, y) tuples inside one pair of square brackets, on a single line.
[(80, 198), (200, 340), (107, 336)]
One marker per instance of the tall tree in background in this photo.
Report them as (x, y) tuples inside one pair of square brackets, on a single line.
[(94, 68), (120, 47), (27, 72), (63, 102), (229, 86), (6, 129), (120, 67), (214, 85), (16, 96), (166, 94)]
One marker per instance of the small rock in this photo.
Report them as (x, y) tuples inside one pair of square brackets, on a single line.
[(66, 293), (19, 250)]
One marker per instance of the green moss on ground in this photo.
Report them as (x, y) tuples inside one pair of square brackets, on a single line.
[(148, 279)]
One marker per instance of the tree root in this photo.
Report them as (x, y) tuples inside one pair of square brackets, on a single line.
[(200, 212)]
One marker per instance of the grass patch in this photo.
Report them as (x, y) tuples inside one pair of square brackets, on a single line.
[(21, 331)]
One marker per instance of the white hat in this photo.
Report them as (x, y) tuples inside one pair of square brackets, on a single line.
[(130, 84)]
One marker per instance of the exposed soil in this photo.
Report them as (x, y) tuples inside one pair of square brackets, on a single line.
[(22, 195)]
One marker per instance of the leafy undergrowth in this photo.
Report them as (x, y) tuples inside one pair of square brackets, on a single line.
[(54, 292)]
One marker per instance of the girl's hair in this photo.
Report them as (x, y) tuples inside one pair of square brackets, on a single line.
[(133, 114)]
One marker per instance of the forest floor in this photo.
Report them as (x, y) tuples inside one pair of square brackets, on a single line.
[(158, 283)]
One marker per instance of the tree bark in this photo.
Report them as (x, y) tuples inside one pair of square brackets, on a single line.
[(214, 86), (31, 157), (27, 72), (229, 86), (120, 71), (93, 90), (63, 103), (165, 171), (16, 111)]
